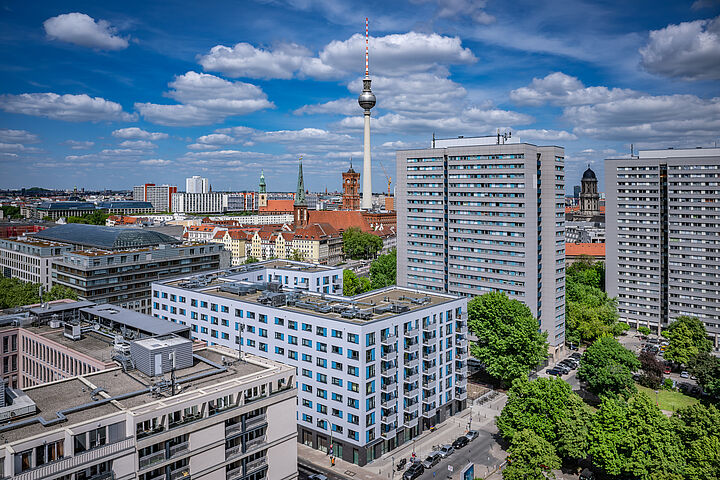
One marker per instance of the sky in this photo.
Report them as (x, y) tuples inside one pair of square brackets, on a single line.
[(115, 94)]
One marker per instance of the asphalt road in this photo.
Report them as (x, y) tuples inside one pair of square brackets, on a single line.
[(474, 452)]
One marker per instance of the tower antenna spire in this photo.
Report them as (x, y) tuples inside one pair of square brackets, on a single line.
[(367, 43)]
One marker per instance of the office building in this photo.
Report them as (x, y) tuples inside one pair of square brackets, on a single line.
[(56, 210), (126, 207), (212, 202), (210, 416), (481, 214), (374, 370), (243, 201), (160, 196), (30, 259), (662, 244), (197, 184)]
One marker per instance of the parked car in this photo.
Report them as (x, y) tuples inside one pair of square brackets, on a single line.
[(569, 363), (576, 356), (460, 442), (446, 450), (563, 368), (667, 369), (472, 435), (317, 476), (684, 374), (554, 371), (431, 460), (413, 471)]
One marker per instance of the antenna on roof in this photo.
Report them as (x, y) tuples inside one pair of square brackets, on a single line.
[(433, 140)]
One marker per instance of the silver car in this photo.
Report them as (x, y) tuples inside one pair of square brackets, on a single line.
[(446, 450), (432, 459), (472, 435)]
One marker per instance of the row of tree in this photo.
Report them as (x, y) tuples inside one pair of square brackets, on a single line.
[(359, 245), (383, 273), (15, 293), (547, 424)]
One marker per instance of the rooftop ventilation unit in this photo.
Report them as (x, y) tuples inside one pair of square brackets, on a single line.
[(154, 355), (73, 332)]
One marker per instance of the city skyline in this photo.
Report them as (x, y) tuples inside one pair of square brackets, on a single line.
[(114, 96)]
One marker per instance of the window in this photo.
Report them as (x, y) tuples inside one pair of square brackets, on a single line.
[(322, 378), (321, 347), (214, 307), (337, 333), (321, 331), (292, 340), (279, 321), (337, 350), (353, 387), (337, 397), (370, 339), (203, 304), (307, 403), (279, 336), (337, 366), (250, 315), (352, 338), (263, 318), (306, 327), (322, 394), (292, 355), (292, 325), (353, 354), (193, 302), (354, 371), (224, 309), (337, 381), (280, 350), (238, 313), (306, 343), (262, 332), (321, 362), (306, 373), (306, 357)]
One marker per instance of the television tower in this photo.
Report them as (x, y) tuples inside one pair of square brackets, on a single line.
[(367, 101)]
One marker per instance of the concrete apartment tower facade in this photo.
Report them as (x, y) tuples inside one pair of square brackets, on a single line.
[(662, 245), (366, 101), (476, 215), (197, 184)]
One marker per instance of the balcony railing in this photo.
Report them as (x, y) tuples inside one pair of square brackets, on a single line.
[(255, 442), (461, 381), (152, 459), (461, 354), (460, 328), (235, 473), (179, 449), (388, 372), (233, 451), (255, 421), (429, 340), (388, 401), (256, 464), (182, 472), (388, 386), (152, 431), (186, 419), (233, 429), (412, 363), (388, 354), (428, 352), (412, 378), (411, 332), (388, 339), (429, 383), (429, 325), (388, 418)]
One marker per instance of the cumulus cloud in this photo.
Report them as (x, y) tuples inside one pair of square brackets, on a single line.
[(202, 146), (397, 54), (155, 162), (689, 50), (544, 134), (205, 99), (217, 139), (648, 118), (71, 108), (18, 147), (135, 133), (560, 89), (80, 29), (315, 136), (341, 106), (17, 136), (79, 145), (137, 144), (462, 9)]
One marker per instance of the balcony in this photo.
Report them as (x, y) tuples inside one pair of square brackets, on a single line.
[(388, 339), (256, 421), (152, 431), (179, 449), (151, 459), (461, 327), (411, 332), (412, 378), (429, 340), (390, 418), (412, 363), (235, 473), (233, 429), (388, 401), (429, 382), (461, 354), (182, 472), (256, 464), (428, 352), (254, 443), (411, 420), (388, 386), (388, 431), (388, 354), (233, 452), (461, 341), (429, 412), (411, 406), (411, 345), (429, 326), (389, 372), (460, 393), (460, 381)]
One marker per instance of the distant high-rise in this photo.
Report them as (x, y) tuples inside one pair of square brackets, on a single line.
[(475, 215), (662, 242), (367, 101), (160, 196), (197, 184)]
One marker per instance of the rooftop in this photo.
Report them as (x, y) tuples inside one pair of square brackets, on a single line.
[(36, 242), (592, 249), (124, 204), (133, 319), (89, 396), (109, 238), (81, 206)]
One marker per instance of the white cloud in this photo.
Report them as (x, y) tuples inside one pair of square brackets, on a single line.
[(137, 144), (80, 29), (420, 93), (496, 117), (462, 9), (236, 131), (156, 162), (397, 54), (135, 133), (205, 99), (314, 136), (71, 108), (560, 89), (217, 139), (342, 106), (79, 145), (18, 147), (689, 50), (544, 134), (202, 146), (17, 136)]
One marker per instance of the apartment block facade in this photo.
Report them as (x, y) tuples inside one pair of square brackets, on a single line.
[(476, 215), (374, 371), (662, 243), (30, 260), (160, 196)]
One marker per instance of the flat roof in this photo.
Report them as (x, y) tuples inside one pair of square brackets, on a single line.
[(51, 398), (60, 307), (133, 319), (35, 242), (91, 343)]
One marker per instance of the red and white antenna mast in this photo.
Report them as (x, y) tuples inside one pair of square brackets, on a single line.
[(367, 36)]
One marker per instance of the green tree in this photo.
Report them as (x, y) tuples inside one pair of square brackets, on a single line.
[(10, 211), (706, 367), (634, 439), (354, 285), (509, 342), (383, 270), (60, 292), (587, 272), (589, 312), (250, 259), (297, 256), (530, 458), (360, 245), (607, 368), (687, 338), (573, 430), (536, 405), (652, 369), (644, 330), (698, 427)]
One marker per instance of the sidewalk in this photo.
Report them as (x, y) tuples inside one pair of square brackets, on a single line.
[(319, 461)]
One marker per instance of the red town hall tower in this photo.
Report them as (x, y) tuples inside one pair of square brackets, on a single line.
[(351, 185)]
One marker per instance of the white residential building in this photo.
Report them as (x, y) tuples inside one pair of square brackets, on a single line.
[(30, 260), (211, 202), (160, 196), (374, 371)]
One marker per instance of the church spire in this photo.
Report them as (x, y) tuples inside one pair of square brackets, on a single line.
[(300, 194), (262, 182)]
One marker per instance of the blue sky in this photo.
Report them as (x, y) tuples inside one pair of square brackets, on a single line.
[(112, 94)]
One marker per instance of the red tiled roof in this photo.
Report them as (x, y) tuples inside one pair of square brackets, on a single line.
[(341, 220), (279, 206), (592, 249)]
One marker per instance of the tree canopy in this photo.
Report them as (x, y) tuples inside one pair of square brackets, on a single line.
[(652, 369), (706, 367), (360, 245), (531, 458), (16, 293), (589, 312), (607, 368), (687, 338), (383, 270), (354, 285), (509, 342), (95, 218)]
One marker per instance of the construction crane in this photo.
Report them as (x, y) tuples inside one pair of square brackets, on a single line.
[(389, 179)]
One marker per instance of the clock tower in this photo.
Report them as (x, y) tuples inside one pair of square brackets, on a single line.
[(351, 185)]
